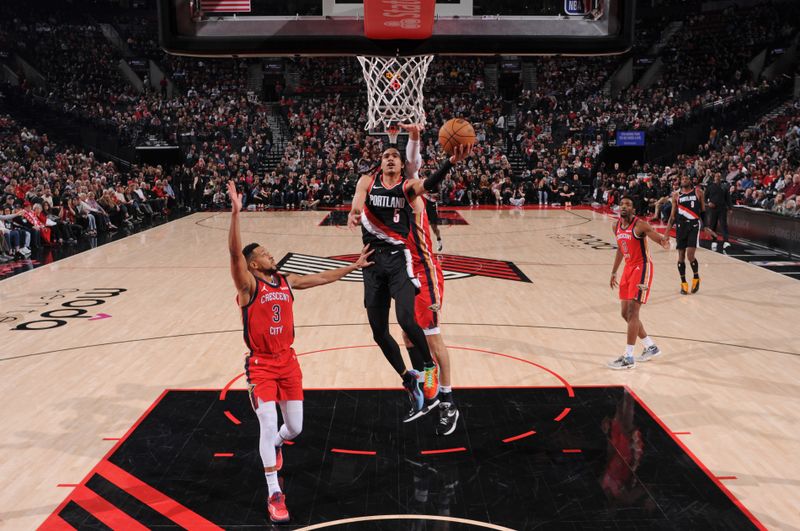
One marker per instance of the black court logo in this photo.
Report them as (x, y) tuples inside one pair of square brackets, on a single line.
[(582, 241), (453, 267), (67, 304)]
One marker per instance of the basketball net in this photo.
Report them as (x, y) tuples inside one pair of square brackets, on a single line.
[(394, 91)]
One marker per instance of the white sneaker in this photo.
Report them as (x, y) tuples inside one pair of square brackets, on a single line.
[(649, 353), (726, 245), (25, 251), (621, 363), (440, 247), (714, 246)]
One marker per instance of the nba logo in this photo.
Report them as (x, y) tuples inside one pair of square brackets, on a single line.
[(575, 7)]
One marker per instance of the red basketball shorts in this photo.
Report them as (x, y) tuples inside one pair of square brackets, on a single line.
[(636, 281), (274, 378), (428, 304)]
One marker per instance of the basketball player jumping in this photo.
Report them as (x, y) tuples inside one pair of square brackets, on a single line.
[(273, 373), (688, 204), (382, 206), (428, 302), (631, 234)]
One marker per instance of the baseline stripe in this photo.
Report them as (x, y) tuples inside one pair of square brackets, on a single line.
[(104, 511), (153, 498)]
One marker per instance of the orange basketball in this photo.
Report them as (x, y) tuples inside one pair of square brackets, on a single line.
[(454, 132)]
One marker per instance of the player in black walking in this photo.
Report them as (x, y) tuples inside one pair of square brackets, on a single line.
[(688, 204)]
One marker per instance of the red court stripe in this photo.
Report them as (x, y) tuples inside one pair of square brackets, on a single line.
[(104, 511), (697, 461), (570, 390), (504, 270), (153, 498), (502, 267), (55, 523), (563, 414), (444, 451), (232, 418), (224, 393), (113, 449), (353, 452), (220, 454), (726, 477), (518, 437), (572, 450)]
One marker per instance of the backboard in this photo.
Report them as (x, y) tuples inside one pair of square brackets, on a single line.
[(337, 28)]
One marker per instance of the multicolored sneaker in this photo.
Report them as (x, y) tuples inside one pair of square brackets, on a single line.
[(430, 386), (649, 353), (623, 362), (415, 396), (684, 288), (276, 505), (695, 285), (278, 458)]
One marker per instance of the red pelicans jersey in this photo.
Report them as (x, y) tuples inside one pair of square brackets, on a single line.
[(634, 248), (268, 318), (637, 277), (426, 266)]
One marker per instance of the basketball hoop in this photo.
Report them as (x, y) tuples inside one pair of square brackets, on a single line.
[(393, 131), (394, 91)]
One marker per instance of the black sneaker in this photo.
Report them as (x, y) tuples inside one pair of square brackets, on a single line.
[(448, 418)]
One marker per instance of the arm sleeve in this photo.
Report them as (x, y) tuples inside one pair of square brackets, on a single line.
[(413, 159)]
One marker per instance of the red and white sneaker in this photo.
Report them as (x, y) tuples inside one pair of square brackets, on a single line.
[(276, 505), (278, 459)]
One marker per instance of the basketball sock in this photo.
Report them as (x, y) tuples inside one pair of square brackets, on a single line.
[(695, 268), (272, 483), (682, 270), (446, 395), (648, 342), (628, 351), (416, 358)]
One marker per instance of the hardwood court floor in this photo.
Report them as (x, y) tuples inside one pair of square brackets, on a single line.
[(727, 380)]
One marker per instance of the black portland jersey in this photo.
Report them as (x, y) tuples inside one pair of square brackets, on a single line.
[(689, 207), (387, 213)]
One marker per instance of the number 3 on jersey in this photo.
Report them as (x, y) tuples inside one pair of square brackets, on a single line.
[(276, 313)]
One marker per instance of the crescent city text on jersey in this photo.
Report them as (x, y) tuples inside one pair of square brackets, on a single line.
[(387, 201), (274, 296)]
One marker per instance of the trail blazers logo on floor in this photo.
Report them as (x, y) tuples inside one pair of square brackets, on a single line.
[(453, 267)]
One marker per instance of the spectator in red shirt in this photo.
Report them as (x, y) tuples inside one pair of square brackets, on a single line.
[(793, 189)]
